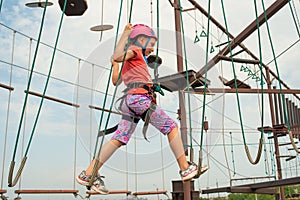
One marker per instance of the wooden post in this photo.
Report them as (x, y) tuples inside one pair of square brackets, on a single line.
[(182, 109)]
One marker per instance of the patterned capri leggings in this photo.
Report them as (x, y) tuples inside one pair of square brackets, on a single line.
[(139, 103)]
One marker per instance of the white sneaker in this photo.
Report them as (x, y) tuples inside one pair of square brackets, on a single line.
[(98, 184), (189, 173)]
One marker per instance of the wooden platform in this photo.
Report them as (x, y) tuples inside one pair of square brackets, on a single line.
[(52, 98), (3, 191), (127, 192), (258, 188), (176, 82), (6, 87), (150, 192), (231, 84), (46, 191), (279, 129)]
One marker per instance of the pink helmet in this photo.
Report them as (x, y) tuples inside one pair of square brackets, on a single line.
[(142, 29)]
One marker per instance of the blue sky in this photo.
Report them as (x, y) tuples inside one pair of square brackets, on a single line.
[(65, 136)]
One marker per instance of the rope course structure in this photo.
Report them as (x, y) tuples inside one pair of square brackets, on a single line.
[(278, 126)]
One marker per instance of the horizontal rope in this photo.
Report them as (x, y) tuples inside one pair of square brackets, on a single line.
[(47, 45)]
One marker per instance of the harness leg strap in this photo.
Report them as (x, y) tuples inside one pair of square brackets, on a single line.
[(146, 117), (114, 128)]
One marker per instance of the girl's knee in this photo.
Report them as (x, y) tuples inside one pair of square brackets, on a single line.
[(117, 142), (174, 132)]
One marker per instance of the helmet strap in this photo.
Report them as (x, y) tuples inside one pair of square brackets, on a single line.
[(143, 47)]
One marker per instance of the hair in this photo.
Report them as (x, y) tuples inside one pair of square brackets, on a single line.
[(133, 40)]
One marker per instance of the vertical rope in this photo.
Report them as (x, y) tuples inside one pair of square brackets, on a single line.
[(108, 81), (127, 178), (157, 42), (234, 74), (76, 125), (187, 80), (110, 108), (10, 182), (102, 18), (261, 71), (29, 81), (223, 115), (130, 11), (277, 69), (238, 101), (205, 77), (1, 3), (273, 164), (208, 140), (135, 165), (294, 17), (162, 162), (48, 78), (25, 116), (232, 155), (8, 106), (267, 169), (151, 12), (91, 110)]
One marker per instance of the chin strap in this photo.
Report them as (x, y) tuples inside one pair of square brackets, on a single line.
[(143, 47)]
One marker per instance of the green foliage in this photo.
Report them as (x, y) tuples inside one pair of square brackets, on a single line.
[(250, 197), (243, 197), (289, 190)]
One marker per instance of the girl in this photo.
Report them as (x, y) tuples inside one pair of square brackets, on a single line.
[(138, 103)]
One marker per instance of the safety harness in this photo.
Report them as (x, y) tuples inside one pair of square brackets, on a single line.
[(151, 88)]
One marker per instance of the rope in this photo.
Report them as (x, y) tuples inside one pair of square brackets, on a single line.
[(111, 106), (261, 70), (11, 184), (238, 101), (232, 154), (29, 81), (126, 162), (1, 2), (108, 81), (187, 79), (25, 116), (204, 94), (267, 170), (273, 164), (294, 17), (205, 77), (8, 108), (293, 142), (276, 65), (157, 42), (47, 45), (162, 162), (262, 89), (91, 112), (102, 18), (76, 126), (151, 12), (223, 122), (135, 166), (280, 85), (54, 78)]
